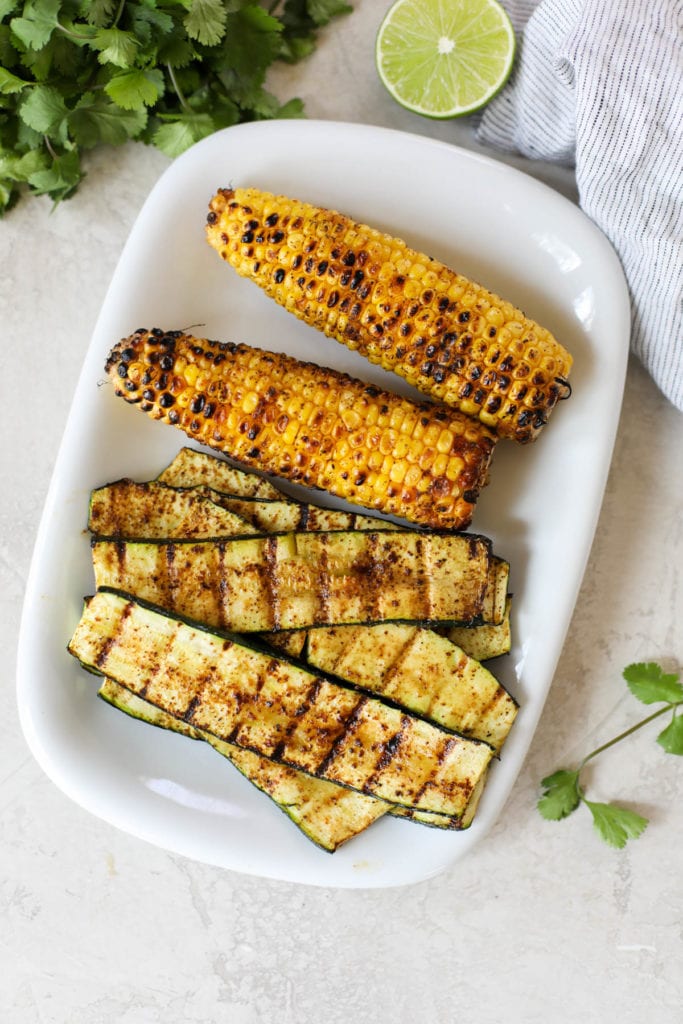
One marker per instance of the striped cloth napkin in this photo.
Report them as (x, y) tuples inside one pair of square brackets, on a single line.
[(598, 84)]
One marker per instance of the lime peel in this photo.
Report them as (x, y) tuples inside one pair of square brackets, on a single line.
[(444, 58)]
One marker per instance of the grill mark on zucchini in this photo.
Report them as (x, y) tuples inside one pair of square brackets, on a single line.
[(374, 574), (423, 581), (304, 515), (279, 750), (465, 787), (389, 751), (348, 724), (398, 661), (171, 574), (324, 582), (121, 549), (191, 707), (271, 578), (111, 641), (489, 707), (223, 589), (258, 687)]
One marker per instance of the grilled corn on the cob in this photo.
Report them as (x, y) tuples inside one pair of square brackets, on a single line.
[(446, 335), (315, 426)]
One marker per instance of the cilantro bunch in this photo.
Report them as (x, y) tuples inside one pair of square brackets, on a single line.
[(563, 792), (76, 74)]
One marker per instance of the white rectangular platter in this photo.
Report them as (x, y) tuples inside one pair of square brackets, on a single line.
[(490, 222)]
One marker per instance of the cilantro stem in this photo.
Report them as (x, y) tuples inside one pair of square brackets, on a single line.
[(49, 147), (122, 4), (627, 732), (178, 91), (73, 35)]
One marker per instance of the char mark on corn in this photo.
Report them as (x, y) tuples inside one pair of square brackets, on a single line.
[(314, 426), (448, 336)]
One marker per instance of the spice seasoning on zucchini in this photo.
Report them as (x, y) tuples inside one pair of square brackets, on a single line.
[(191, 468), (155, 510)]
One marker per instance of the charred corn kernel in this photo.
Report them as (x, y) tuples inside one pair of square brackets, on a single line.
[(400, 309), (267, 425), (427, 458)]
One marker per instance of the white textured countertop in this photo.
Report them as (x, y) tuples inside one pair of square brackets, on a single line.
[(542, 923)]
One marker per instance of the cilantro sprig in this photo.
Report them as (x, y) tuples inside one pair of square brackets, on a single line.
[(75, 74), (563, 792)]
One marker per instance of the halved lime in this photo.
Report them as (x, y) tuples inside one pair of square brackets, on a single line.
[(445, 58)]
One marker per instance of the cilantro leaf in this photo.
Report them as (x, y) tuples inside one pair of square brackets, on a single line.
[(206, 21), (650, 684), (20, 168), (562, 795), (6, 7), (58, 180), (671, 738), (97, 119), (146, 20), (136, 89), (616, 825), (294, 108), (177, 136), (251, 43), (44, 110), (10, 83), (8, 196), (78, 73), (99, 12), (116, 47), (176, 49), (35, 28), (322, 11)]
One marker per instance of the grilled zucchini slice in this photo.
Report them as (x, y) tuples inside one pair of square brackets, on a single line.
[(293, 581), (126, 508), (290, 516), (422, 672), (242, 694), (326, 813), (487, 641), (191, 468)]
